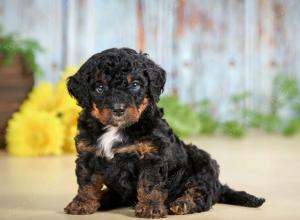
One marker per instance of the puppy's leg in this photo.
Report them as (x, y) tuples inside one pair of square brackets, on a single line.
[(187, 202), (202, 187), (87, 200), (151, 193)]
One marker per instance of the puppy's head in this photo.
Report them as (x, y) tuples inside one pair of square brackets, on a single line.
[(117, 86)]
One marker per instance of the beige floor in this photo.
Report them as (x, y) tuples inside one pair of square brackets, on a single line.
[(39, 188)]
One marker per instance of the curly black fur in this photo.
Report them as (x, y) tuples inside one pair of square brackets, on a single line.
[(141, 161)]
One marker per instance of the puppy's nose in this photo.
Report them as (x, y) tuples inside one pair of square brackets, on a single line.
[(118, 109)]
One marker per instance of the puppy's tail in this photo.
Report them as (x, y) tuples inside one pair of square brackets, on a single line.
[(230, 196)]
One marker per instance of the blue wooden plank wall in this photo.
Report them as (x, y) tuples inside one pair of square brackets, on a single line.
[(210, 48)]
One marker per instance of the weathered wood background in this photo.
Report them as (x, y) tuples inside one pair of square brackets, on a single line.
[(210, 48)]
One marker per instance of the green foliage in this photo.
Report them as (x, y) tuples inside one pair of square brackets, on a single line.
[(285, 95), (292, 126), (285, 90), (239, 98), (268, 122), (11, 45), (206, 118), (233, 129), (181, 117)]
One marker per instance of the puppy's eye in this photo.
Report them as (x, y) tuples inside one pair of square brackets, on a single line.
[(135, 85), (99, 89)]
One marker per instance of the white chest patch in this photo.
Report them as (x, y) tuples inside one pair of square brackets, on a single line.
[(107, 140)]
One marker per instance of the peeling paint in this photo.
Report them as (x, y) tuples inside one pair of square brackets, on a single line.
[(204, 45), (140, 27), (180, 17)]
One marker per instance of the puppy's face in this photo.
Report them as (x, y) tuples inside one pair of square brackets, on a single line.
[(118, 98), (117, 86)]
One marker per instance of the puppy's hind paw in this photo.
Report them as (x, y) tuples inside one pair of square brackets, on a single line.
[(182, 207), (255, 202), (150, 211), (78, 207)]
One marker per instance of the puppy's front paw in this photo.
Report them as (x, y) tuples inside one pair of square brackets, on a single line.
[(150, 211), (79, 207)]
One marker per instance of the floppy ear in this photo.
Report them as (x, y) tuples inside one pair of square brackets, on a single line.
[(157, 79), (78, 88)]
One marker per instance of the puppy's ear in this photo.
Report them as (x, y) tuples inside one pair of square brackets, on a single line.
[(78, 88), (157, 79)]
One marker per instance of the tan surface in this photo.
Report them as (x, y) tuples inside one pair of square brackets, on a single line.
[(39, 188)]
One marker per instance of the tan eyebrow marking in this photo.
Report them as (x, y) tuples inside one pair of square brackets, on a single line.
[(130, 78)]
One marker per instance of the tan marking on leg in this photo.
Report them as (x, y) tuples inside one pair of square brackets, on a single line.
[(87, 200), (150, 204), (186, 203)]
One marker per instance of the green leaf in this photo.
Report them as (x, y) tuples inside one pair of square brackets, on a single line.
[(11, 45), (180, 117), (237, 99), (234, 129), (206, 117), (292, 127)]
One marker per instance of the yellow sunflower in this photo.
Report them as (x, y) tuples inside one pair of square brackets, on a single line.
[(63, 100), (47, 121), (34, 133), (69, 71), (69, 144), (49, 98), (68, 109), (69, 119), (41, 98)]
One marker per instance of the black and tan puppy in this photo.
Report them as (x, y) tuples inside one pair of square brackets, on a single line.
[(125, 144)]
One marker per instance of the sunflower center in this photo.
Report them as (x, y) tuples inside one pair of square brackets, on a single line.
[(40, 139)]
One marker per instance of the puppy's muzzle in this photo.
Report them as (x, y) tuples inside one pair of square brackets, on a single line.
[(118, 109)]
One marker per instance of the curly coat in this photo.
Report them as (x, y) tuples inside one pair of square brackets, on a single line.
[(125, 144)]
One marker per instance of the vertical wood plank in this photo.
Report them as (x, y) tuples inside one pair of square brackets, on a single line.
[(158, 23)]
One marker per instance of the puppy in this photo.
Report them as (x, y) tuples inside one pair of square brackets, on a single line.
[(125, 144)]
